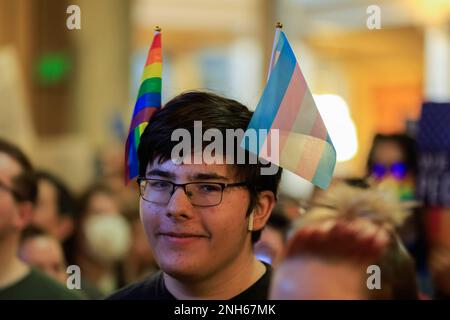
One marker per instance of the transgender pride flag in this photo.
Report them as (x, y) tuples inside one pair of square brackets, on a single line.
[(148, 101), (305, 148)]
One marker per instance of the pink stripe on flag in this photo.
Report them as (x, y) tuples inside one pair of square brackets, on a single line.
[(319, 130), (290, 105)]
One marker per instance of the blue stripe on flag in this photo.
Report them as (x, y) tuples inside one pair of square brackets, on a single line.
[(147, 100), (325, 168), (133, 161), (273, 94)]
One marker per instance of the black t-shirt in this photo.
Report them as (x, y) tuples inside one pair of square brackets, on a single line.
[(154, 288)]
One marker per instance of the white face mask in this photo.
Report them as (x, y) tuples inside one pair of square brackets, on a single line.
[(108, 237)]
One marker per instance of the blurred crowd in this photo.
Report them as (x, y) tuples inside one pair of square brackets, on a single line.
[(98, 230), (319, 249)]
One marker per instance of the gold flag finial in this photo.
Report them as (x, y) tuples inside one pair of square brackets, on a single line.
[(279, 25), (158, 28)]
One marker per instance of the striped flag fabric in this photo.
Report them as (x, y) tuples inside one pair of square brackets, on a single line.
[(304, 146), (148, 101)]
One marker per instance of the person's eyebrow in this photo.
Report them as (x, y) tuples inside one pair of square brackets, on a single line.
[(207, 176), (161, 173)]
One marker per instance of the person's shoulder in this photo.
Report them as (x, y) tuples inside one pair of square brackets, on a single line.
[(151, 288), (51, 289), (37, 285)]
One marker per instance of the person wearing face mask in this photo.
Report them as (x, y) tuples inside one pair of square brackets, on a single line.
[(101, 242), (392, 167)]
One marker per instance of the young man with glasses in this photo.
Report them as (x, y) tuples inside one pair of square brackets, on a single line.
[(202, 219)]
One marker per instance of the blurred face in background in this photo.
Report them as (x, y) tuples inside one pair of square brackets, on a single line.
[(46, 212), (45, 253), (47, 215), (390, 170), (10, 221)]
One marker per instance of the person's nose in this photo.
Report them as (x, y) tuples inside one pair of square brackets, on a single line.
[(179, 206)]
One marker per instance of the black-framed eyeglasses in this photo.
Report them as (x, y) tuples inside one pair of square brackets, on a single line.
[(200, 194)]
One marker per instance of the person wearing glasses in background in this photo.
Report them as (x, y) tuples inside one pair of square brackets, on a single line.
[(392, 166), (201, 220)]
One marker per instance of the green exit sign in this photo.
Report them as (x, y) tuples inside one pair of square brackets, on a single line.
[(52, 68)]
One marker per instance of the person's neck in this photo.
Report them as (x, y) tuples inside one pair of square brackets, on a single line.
[(12, 269), (238, 276)]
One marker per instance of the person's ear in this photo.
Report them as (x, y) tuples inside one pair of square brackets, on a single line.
[(24, 214), (261, 213)]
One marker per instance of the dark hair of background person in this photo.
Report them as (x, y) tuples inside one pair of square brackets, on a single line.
[(32, 231), (405, 143), (66, 201), (215, 112), (24, 184)]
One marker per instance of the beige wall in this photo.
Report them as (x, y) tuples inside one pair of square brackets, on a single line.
[(372, 62)]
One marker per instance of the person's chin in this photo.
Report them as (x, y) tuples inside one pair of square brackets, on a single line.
[(181, 272)]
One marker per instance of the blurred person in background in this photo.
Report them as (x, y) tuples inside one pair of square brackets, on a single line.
[(329, 255), (140, 262), (18, 193), (55, 208), (44, 252), (289, 206), (440, 269), (392, 162), (392, 166), (100, 243), (270, 247), (111, 170)]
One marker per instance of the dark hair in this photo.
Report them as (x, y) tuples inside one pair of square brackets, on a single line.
[(85, 198), (215, 112), (404, 142), (65, 199), (24, 184), (32, 231)]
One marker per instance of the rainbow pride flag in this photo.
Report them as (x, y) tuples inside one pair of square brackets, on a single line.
[(148, 101), (304, 146)]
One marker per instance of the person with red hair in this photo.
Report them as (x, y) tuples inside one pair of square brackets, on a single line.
[(346, 249)]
